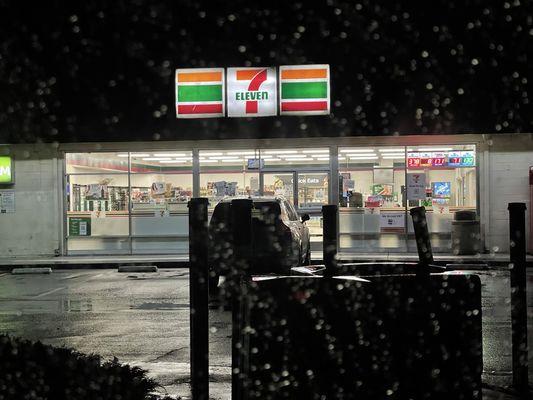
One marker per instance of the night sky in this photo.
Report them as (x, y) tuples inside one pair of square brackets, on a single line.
[(104, 70)]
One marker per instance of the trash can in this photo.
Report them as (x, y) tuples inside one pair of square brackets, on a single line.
[(465, 233)]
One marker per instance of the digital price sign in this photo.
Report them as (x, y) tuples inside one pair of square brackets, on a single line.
[(433, 159)]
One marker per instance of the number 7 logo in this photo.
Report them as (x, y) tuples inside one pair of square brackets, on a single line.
[(252, 92)]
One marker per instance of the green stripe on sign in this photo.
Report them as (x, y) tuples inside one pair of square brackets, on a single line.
[(304, 90), (200, 93)]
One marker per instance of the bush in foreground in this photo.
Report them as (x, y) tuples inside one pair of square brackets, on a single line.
[(32, 370)]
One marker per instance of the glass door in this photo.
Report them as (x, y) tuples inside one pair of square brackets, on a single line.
[(312, 190), (279, 184)]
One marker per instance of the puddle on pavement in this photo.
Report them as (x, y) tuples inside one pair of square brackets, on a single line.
[(158, 306)]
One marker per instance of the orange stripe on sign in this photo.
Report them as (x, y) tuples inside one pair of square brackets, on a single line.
[(199, 76), (304, 73), (247, 74)]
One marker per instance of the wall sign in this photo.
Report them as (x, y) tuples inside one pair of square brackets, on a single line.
[(304, 89), (6, 170), (252, 92), (79, 226), (392, 222), (416, 186), (200, 93), (7, 201)]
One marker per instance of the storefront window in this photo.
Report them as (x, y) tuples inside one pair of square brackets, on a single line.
[(443, 180), (228, 173), (161, 186), (97, 202), (371, 187), (128, 202)]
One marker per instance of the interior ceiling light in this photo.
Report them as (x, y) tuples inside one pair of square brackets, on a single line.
[(392, 157), (241, 153), (363, 158), (211, 153), (315, 151), (172, 162), (390, 150), (274, 159), (170, 155), (357, 150), (124, 155), (208, 161), (225, 158), (281, 152), (140, 155), (297, 159), (294, 155), (156, 159), (319, 155), (235, 160)]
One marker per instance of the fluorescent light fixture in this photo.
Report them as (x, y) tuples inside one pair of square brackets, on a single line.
[(298, 159), (273, 159), (211, 153), (363, 158), (319, 155), (281, 152), (170, 155), (140, 155), (234, 160), (156, 159), (392, 157), (241, 153), (435, 149), (322, 158), (293, 155), (171, 162), (315, 151), (341, 158), (122, 155), (390, 150), (357, 150), (208, 161), (266, 157), (224, 158)]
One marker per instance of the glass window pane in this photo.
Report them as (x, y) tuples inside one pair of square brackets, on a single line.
[(97, 205), (312, 190), (162, 161), (279, 184), (371, 187), (448, 173), (87, 163), (291, 158), (228, 173)]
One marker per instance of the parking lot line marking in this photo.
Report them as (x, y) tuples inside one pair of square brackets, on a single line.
[(50, 292)]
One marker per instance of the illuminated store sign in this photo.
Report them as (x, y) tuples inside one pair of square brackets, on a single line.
[(252, 91), (6, 169)]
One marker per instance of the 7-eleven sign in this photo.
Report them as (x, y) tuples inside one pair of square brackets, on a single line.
[(252, 92)]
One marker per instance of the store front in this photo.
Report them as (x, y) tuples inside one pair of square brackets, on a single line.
[(135, 202)]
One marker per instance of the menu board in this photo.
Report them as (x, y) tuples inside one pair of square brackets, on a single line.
[(440, 159)]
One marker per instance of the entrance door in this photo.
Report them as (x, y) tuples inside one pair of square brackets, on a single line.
[(280, 184)]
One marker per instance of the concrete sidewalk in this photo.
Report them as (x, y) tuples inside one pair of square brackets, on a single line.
[(181, 260)]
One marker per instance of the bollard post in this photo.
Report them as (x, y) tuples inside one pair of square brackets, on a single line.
[(423, 242), (199, 298), (517, 240), (241, 219), (329, 238)]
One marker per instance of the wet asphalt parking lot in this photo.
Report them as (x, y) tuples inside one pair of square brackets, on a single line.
[(143, 319)]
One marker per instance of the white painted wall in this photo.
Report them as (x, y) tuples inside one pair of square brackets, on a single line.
[(34, 229), (510, 157)]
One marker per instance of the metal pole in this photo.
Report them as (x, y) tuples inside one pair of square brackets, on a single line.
[(423, 242), (517, 236), (329, 234), (241, 219), (198, 286)]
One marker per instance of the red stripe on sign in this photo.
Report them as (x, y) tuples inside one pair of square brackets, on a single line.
[(304, 106), (199, 109)]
